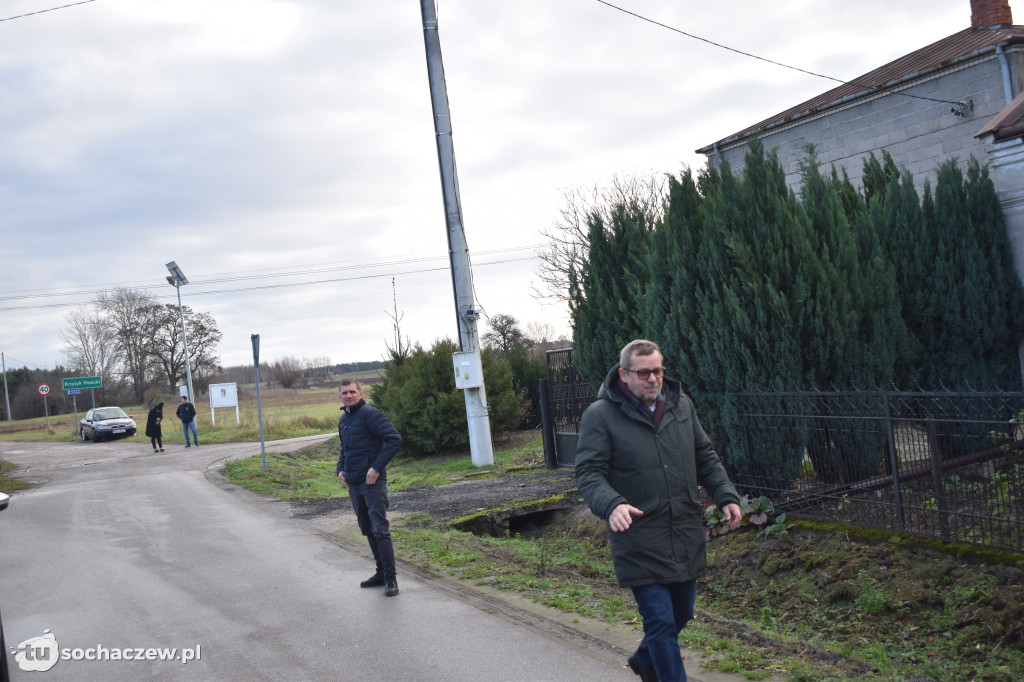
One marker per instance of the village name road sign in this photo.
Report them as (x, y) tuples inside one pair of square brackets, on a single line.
[(82, 382)]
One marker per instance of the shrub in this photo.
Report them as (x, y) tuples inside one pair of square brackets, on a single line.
[(420, 398)]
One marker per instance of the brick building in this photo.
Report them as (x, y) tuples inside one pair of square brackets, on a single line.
[(962, 96)]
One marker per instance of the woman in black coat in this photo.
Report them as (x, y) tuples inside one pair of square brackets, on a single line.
[(153, 429)]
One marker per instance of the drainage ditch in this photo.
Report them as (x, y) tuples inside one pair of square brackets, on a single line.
[(525, 518)]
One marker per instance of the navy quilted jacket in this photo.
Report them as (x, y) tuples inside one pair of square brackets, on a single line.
[(368, 439)]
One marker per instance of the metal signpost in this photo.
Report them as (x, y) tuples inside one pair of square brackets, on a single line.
[(74, 393), (259, 407), (44, 390)]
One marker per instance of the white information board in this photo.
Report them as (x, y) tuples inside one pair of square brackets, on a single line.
[(224, 395)]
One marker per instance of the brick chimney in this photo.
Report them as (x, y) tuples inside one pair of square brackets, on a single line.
[(985, 13)]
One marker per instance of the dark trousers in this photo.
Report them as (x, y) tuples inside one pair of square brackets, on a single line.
[(370, 503), (666, 609), (156, 441)]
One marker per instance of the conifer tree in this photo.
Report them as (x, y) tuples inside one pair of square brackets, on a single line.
[(671, 302), (856, 328), (970, 325), (1003, 332), (754, 276), (895, 212), (607, 300)]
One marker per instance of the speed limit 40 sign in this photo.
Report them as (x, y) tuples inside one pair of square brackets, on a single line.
[(44, 389)]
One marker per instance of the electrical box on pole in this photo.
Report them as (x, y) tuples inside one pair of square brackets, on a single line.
[(466, 311), (469, 372)]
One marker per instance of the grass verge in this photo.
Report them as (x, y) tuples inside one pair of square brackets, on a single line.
[(813, 604), (310, 472), (7, 484)]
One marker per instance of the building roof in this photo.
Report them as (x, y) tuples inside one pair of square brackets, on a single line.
[(939, 55), (1008, 123)]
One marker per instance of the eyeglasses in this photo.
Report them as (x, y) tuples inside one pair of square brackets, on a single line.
[(645, 374)]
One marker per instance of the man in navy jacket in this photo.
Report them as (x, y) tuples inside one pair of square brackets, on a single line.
[(368, 442), (187, 414)]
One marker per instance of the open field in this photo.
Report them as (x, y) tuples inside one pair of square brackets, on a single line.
[(287, 413)]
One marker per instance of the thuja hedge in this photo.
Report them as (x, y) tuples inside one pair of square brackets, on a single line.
[(750, 285)]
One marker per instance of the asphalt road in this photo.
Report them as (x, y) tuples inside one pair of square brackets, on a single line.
[(122, 553)]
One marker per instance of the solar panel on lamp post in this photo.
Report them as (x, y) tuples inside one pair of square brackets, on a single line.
[(176, 279)]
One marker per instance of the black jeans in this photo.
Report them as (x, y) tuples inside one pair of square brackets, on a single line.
[(370, 503)]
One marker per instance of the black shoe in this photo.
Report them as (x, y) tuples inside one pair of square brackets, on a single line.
[(375, 580), (391, 586), (646, 674), (187, 445)]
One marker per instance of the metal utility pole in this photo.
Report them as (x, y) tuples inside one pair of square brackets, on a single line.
[(7, 396), (466, 311)]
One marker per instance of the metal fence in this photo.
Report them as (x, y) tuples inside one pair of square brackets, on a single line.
[(939, 464)]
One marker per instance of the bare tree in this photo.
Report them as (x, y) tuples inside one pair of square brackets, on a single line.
[(317, 366), (400, 349), (287, 371), (539, 332), (568, 238), (239, 374), (132, 318), (505, 333), (90, 346), (169, 352)]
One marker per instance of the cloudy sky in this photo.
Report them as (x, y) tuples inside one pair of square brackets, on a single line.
[(282, 151)]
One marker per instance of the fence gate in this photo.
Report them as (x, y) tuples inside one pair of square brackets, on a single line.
[(564, 396)]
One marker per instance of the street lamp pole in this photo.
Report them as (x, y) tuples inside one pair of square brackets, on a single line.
[(176, 279)]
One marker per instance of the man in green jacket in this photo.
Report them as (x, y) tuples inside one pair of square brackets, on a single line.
[(641, 454)]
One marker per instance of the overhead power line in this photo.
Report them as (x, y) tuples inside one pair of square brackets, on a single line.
[(25, 363), (43, 11), (771, 61), (259, 287), (24, 294)]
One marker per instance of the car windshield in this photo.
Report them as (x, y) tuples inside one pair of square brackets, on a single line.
[(109, 413)]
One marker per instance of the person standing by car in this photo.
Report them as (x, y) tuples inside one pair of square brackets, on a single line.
[(153, 428), (368, 442), (641, 455), (187, 414)]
